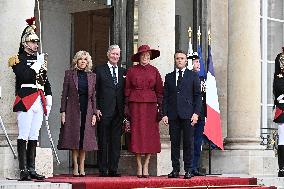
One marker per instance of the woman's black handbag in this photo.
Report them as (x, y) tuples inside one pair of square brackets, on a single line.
[(126, 126)]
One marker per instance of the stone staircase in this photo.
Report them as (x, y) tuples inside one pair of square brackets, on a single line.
[(266, 180), (14, 184), (271, 181), (262, 182)]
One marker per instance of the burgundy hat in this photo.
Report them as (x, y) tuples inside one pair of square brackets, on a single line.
[(145, 48)]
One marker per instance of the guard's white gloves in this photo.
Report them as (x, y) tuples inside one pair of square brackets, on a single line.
[(280, 99), (48, 104), (40, 61)]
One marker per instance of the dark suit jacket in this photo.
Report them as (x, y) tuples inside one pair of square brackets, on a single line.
[(185, 101), (109, 95)]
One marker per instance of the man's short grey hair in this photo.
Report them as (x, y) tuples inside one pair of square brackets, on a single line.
[(110, 48)]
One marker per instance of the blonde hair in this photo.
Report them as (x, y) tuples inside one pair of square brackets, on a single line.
[(78, 56)]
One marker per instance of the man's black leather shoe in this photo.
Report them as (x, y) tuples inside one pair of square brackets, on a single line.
[(281, 173), (35, 175), (24, 175), (114, 174), (197, 173), (187, 175), (103, 174), (173, 174)]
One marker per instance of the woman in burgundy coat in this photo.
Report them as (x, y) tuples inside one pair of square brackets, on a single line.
[(143, 93), (78, 108)]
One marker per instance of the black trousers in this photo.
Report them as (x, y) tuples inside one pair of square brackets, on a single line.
[(109, 142), (181, 127)]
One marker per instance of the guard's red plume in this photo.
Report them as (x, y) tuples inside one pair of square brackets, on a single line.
[(30, 21)]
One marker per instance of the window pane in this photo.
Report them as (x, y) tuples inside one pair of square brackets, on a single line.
[(261, 37), (275, 9), (275, 39), (270, 73), (261, 7)]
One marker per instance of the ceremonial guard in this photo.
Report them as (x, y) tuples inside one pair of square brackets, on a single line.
[(33, 98), (278, 91), (199, 126)]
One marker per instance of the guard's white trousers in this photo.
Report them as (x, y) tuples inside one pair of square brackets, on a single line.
[(29, 123), (281, 134)]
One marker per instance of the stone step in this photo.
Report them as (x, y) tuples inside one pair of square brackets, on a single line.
[(271, 181), (265, 181), (14, 184)]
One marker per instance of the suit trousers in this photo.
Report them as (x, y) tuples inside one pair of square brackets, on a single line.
[(109, 142), (198, 138), (181, 127)]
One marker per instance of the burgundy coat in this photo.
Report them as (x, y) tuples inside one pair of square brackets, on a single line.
[(144, 90), (69, 136)]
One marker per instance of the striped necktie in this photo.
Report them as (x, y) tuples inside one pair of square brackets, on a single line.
[(114, 78)]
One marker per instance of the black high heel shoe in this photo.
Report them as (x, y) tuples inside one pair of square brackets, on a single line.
[(82, 174), (75, 174), (140, 175), (145, 176)]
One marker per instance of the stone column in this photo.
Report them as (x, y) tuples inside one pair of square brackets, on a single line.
[(157, 28), (244, 76), (12, 23)]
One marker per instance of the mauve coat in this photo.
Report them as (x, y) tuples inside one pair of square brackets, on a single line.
[(69, 136)]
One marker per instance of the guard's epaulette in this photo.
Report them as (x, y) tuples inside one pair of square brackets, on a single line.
[(13, 60)]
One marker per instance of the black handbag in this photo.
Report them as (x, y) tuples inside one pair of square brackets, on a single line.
[(126, 126)]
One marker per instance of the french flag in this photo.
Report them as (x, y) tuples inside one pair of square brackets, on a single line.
[(212, 129)]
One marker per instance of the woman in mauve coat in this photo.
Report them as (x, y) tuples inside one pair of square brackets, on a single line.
[(78, 108), (143, 93)]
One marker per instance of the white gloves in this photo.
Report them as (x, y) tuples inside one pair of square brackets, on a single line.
[(40, 61), (48, 104), (48, 108), (280, 99)]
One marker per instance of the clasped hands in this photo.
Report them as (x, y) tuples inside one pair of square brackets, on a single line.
[(193, 120), (63, 115)]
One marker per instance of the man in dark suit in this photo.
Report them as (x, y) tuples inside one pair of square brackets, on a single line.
[(181, 107), (110, 105)]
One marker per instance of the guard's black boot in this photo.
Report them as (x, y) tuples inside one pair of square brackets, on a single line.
[(31, 154), (22, 157), (281, 160)]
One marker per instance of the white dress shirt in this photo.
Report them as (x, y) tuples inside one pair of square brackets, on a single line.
[(111, 70), (177, 73)]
